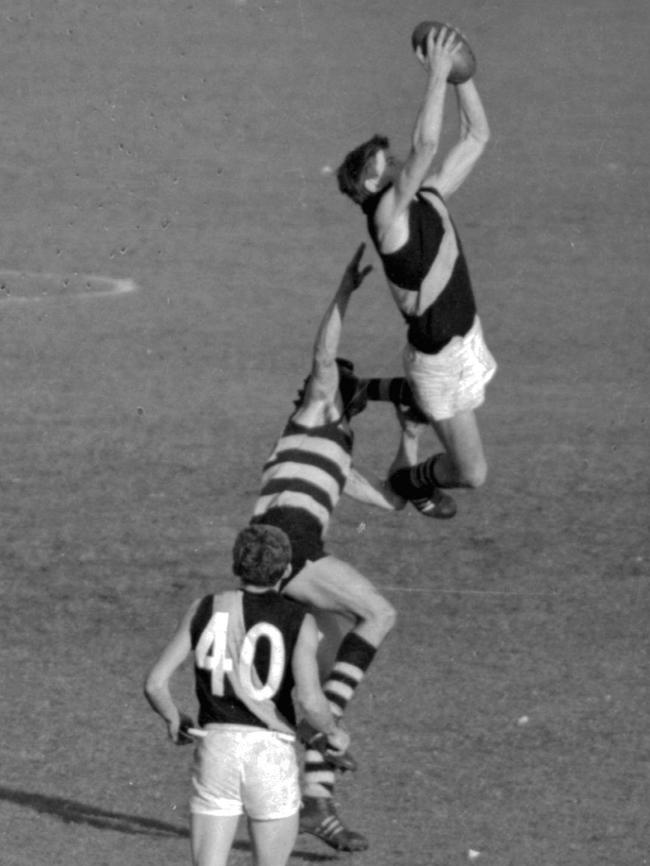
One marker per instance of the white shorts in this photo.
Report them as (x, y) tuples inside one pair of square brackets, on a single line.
[(454, 379), (245, 770)]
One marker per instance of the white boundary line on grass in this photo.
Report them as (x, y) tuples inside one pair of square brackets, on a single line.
[(114, 286)]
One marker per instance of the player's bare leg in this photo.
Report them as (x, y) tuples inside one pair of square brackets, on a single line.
[(414, 481), (332, 585), (273, 841), (212, 838), (333, 627), (464, 463), (409, 442)]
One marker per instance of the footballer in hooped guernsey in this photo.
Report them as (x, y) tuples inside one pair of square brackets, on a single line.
[(255, 651), (308, 470)]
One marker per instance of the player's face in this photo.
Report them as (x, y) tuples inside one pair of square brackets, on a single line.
[(386, 166), (381, 163), (380, 170)]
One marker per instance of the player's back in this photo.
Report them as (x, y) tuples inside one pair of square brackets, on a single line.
[(243, 645), (307, 469)]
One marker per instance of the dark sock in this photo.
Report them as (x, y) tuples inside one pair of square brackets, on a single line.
[(415, 482), (352, 661)]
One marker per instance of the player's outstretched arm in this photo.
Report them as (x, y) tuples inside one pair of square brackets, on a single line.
[(438, 60), (156, 685), (309, 694), (324, 380), (376, 493), (474, 134)]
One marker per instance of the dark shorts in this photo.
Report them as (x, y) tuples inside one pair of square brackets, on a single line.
[(304, 532)]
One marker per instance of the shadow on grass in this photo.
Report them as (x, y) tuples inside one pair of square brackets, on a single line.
[(73, 812)]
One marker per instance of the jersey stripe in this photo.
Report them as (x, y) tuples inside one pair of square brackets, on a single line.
[(298, 485), (238, 698), (307, 469), (443, 265), (292, 499), (301, 476), (311, 443), (428, 276), (293, 460)]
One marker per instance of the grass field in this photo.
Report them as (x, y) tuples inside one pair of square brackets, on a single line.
[(188, 147)]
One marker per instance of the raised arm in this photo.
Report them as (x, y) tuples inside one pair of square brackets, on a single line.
[(438, 60), (379, 494), (324, 380), (474, 134)]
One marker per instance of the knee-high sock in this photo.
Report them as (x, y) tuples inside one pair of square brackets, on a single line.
[(415, 482), (397, 391), (318, 775), (352, 661)]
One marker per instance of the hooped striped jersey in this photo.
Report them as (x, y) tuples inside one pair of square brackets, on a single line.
[(307, 470), (243, 644), (428, 276)]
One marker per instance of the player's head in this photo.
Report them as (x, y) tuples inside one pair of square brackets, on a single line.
[(353, 394), (359, 175), (261, 555)]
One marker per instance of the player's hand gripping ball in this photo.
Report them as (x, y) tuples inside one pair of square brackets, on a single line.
[(464, 61)]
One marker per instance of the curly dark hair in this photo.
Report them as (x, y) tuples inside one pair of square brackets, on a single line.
[(354, 170), (261, 554)]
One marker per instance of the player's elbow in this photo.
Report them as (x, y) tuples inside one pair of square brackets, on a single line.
[(148, 689), (152, 686), (425, 144), (479, 137)]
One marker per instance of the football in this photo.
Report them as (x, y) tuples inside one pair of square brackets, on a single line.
[(464, 62)]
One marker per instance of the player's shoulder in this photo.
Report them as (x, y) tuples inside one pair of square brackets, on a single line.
[(382, 204)]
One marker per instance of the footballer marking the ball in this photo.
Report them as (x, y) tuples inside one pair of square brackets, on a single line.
[(464, 61)]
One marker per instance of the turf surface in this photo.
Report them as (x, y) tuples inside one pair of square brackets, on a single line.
[(189, 147)]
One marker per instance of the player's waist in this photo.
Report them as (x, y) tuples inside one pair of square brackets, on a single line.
[(431, 339), (296, 514), (226, 727)]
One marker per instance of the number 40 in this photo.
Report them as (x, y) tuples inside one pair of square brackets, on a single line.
[(211, 654)]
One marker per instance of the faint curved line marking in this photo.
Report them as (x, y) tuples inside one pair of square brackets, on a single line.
[(442, 590), (115, 285)]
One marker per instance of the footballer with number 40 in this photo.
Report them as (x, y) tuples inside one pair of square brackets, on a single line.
[(252, 648)]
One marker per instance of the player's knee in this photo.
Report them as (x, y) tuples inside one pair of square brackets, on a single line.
[(474, 475), (384, 615)]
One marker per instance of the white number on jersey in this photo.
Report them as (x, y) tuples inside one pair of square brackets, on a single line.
[(211, 655)]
